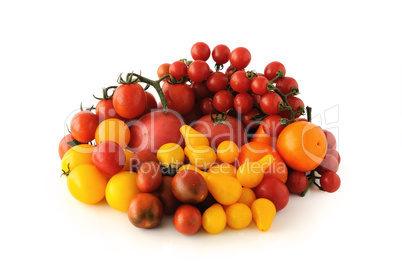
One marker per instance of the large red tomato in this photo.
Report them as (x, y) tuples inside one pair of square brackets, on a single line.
[(217, 131), (155, 129)]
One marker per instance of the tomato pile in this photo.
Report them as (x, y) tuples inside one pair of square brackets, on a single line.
[(220, 148)]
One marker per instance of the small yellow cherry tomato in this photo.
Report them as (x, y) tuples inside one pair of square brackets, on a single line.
[(87, 184), (202, 156), (227, 151), (170, 154), (247, 196), (224, 168), (263, 211), (75, 156), (113, 129), (214, 219), (225, 189), (238, 216), (120, 189)]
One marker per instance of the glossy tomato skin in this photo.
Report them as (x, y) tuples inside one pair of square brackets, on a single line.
[(229, 129), (273, 67), (259, 85), (247, 121), (145, 211), (164, 193), (240, 57), (295, 103), (223, 101), (269, 103), (217, 81), (105, 110), (221, 54), (240, 82), (206, 106), (109, 157), (200, 51), (187, 219), (149, 177), (83, 126), (180, 98), (297, 182), (140, 158), (151, 104), (155, 129), (64, 146), (275, 190), (330, 182), (189, 186), (163, 70), (178, 70), (243, 103), (129, 100), (198, 71), (272, 125), (200, 90), (285, 84)]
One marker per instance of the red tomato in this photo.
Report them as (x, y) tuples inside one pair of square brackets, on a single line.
[(149, 177), (223, 101), (109, 157), (259, 85), (200, 90), (243, 103), (240, 57), (328, 164), (200, 51), (217, 81), (187, 219), (272, 125), (246, 119), (180, 98), (206, 106), (188, 186), (140, 158), (64, 146), (105, 110), (269, 103), (151, 104), (83, 126), (331, 141), (145, 211), (198, 71), (273, 189), (295, 103), (178, 70), (240, 82), (286, 84), (297, 182), (129, 100), (271, 69), (221, 54), (330, 182), (165, 194)]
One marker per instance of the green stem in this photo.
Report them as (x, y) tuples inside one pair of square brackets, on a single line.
[(311, 180), (308, 113)]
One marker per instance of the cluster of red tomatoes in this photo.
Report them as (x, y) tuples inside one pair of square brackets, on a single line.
[(130, 151)]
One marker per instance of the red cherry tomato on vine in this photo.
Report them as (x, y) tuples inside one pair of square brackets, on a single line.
[(259, 85), (200, 90), (331, 140), (217, 81), (206, 106), (240, 82), (272, 125), (246, 119), (269, 103), (180, 98), (221, 54), (243, 103), (198, 71), (271, 69), (178, 70), (223, 101), (286, 84), (109, 157), (200, 51), (273, 189), (83, 126), (330, 181), (297, 182), (240, 57), (330, 163), (295, 103), (229, 71), (129, 100), (105, 110)]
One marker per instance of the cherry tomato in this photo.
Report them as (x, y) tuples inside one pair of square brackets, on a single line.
[(151, 104), (120, 189), (269, 103), (164, 193), (264, 212), (243, 103), (178, 70), (206, 106), (272, 125), (83, 126), (217, 81), (180, 98), (198, 71), (297, 182), (223, 101), (259, 85), (286, 84), (188, 186), (129, 100), (334, 153), (328, 164), (200, 90), (149, 177), (214, 219), (240, 82), (295, 103), (77, 155), (240, 57), (227, 151), (187, 219), (64, 146), (273, 189), (221, 54), (109, 157), (200, 51), (246, 119), (229, 71), (331, 141), (145, 211), (238, 216), (271, 69), (330, 181), (163, 70), (105, 110), (87, 184)]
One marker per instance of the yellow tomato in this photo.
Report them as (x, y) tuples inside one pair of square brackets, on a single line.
[(250, 174), (75, 156), (238, 216), (263, 211), (225, 189), (120, 190), (227, 151), (214, 219), (192, 137), (129, 155), (224, 168), (113, 129), (202, 156), (247, 197), (170, 154), (87, 184), (191, 167)]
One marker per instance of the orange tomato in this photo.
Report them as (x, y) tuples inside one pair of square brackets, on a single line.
[(254, 151), (113, 129), (261, 136), (302, 145)]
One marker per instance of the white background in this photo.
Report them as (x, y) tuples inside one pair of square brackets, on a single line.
[(346, 57)]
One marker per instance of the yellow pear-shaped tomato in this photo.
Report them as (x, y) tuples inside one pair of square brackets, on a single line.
[(225, 189), (191, 167), (192, 137), (75, 156), (250, 174), (263, 211), (214, 219), (202, 156), (224, 168)]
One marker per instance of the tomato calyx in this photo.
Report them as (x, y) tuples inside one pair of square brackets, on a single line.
[(88, 109), (220, 118), (66, 173), (105, 95), (171, 170), (251, 74)]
